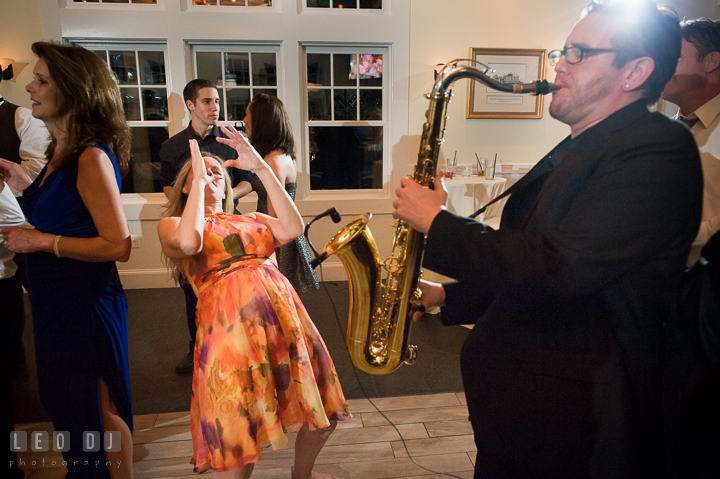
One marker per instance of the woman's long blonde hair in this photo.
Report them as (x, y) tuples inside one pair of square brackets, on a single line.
[(178, 199)]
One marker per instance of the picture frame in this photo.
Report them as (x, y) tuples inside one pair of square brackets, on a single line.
[(510, 66)]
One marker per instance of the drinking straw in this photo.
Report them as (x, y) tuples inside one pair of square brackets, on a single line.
[(455, 158), (478, 161)]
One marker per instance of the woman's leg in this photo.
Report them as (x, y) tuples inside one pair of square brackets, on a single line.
[(242, 473), (307, 447), (121, 462)]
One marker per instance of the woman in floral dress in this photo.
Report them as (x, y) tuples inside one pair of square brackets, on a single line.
[(261, 368)]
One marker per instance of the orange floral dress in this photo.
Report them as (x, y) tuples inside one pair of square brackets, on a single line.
[(261, 367)]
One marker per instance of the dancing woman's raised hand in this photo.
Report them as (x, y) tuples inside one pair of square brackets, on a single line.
[(248, 158), (199, 169)]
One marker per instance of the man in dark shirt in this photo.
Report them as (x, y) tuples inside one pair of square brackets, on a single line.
[(202, 100), (570, 294)]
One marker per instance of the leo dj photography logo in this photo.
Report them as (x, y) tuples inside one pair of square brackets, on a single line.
[(39, 441)]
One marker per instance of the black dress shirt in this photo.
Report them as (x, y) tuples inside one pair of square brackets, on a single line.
[(175, 152)]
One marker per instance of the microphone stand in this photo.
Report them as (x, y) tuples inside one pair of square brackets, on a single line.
[(319, 258)]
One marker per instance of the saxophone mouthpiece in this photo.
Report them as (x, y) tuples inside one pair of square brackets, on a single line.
[(538, 87)]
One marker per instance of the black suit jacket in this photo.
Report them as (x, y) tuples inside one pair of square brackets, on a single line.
[(576, 285)]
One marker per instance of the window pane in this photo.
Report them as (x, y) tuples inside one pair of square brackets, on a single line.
[(375, 4), (123, 65), (144, 1), (209, 66), (204, 2), (371, 104), (318, 3), (370, 70), (319, 105), (345, 104), (116, 1), (344, 69), (264, 72), (344, 3), (345, 157), (152, 66), (237, 69), (260, 3), (155, 105), (233, 3), (144, 173), (87, 1), (318, 69), (131, 103), (102, 54), (237, 100)]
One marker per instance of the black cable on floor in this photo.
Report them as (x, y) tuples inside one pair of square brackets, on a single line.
[(362, 389)]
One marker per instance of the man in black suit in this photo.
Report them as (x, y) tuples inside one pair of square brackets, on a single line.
[(570, 294)]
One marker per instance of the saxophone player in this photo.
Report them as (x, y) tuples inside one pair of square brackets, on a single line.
[(569, 295)]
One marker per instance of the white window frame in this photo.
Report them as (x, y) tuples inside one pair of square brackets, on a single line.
[(244, 9), (141, 46), (385, 123), (223, 47), (385, 10), (137, 46), (72, 5)]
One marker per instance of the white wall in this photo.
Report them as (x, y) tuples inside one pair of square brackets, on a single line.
[(21, 26)]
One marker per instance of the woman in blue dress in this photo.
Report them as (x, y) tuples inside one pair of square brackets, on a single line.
[(78, 304)]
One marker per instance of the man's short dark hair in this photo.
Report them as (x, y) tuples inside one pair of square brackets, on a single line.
[(704, 34), (192, 89), (646, 30)]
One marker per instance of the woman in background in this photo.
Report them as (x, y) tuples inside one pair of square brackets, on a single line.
[(261, 368), (270, 133), (79, 308)]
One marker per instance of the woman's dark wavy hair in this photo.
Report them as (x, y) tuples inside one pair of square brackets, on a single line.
[(646, 29), (270, 128), (88, 95)]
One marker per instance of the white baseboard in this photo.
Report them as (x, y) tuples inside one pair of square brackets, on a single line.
[(146, 278)]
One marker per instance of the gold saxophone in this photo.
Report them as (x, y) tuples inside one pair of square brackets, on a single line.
[(381, 305)]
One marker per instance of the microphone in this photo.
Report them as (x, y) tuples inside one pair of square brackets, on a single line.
[(335, 216)]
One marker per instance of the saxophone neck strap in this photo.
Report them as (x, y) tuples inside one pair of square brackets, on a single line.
[(495, 200)]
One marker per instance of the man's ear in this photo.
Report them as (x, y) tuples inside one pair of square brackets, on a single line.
[(637, 72), (190, 105), (711, 62)]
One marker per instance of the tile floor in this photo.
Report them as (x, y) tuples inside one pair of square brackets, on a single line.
[(434, 427)]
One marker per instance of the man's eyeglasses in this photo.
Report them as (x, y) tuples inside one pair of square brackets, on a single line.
[(575, 55)]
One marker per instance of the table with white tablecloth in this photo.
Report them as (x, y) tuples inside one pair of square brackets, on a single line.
[(467, 194)]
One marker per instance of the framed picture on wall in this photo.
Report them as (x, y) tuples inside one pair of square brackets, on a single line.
[(507, 66)]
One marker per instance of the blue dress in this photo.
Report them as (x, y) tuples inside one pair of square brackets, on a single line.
[(79, 315)]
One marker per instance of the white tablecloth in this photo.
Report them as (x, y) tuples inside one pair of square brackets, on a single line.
[(466, 195)]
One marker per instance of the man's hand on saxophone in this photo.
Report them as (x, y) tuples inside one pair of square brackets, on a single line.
[(417, 205), (433, 294)]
